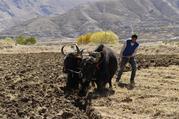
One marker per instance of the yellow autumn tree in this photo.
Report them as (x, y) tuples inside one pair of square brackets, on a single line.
[(106, 37), (84, 39)]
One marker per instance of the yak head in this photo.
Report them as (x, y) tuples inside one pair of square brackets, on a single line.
[(72, 61), (72, 67), (90, 66)]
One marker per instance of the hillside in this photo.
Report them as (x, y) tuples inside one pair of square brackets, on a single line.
[(143, 16), (13, 12)]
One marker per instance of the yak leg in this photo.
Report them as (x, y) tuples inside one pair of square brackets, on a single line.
[(108, 78), (72, 82), (103, 78), (110, 84), (110, 81), (98, 85), (93, 83)]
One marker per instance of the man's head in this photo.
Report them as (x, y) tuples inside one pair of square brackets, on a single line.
[(134, 38)]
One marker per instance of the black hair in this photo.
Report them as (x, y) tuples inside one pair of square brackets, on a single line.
[(134, 36)]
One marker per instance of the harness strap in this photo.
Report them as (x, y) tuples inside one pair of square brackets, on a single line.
[(79, 73), (97, 65), (72, 71)]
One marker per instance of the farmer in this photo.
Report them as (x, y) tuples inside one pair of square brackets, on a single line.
[(127, 54)]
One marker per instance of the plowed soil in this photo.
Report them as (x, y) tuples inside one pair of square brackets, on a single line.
[(32, 87)]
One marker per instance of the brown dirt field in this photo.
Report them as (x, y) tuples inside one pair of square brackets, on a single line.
[(31, 87)]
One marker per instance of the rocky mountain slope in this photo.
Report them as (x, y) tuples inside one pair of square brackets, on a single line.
[(15, 11), (122, 17)]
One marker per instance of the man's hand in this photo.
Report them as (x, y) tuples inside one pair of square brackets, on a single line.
[(120, 59)]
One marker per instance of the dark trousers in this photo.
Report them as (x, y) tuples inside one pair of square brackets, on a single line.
[(123, 63)]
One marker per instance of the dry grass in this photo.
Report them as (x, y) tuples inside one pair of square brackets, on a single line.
[(6, 44), (155, 96)]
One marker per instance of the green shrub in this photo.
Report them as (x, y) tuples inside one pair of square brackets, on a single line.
[(30, 41), (8, 39), (22, 40)]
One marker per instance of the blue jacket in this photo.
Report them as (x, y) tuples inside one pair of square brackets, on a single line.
[(130, 49)]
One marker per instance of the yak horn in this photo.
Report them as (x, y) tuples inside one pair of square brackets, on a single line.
[(77, 49), (62, 50)]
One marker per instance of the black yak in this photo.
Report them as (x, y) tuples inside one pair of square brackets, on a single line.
[(99, 67)]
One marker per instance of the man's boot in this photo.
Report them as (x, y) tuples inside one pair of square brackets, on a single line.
[(132, 83)]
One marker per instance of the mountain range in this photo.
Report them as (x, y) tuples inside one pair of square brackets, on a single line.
[(120, 16), (13, 12)]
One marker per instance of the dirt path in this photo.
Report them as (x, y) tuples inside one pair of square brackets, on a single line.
[(156, 95)]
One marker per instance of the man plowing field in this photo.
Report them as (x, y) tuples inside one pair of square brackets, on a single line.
[(127, 54)]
